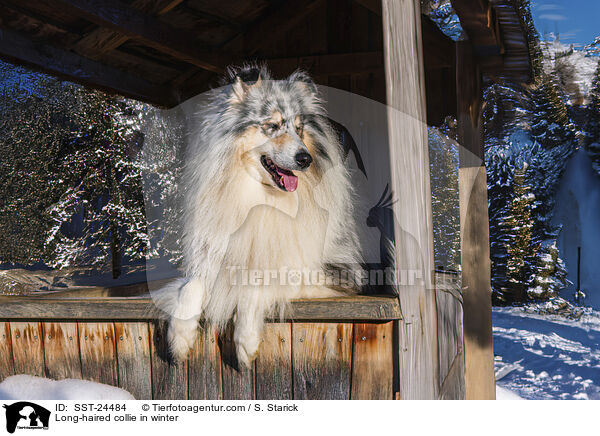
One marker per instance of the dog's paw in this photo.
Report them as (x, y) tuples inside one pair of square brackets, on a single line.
[(246, 346), (181, 335)]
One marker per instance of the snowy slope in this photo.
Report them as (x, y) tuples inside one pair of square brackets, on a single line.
[(577, 64), (547, 356)]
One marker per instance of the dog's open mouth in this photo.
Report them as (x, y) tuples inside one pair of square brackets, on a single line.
[(284, 179)]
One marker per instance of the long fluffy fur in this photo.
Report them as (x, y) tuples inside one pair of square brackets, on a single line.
[(231, 221)]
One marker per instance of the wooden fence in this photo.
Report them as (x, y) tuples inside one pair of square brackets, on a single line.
[(341, 348)]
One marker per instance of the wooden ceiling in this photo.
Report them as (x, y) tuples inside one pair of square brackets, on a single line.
[(165, 51)]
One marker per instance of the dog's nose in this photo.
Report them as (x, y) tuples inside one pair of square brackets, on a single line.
[(303, 159)]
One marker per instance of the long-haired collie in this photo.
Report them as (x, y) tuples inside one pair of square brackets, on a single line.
[(268, 213)]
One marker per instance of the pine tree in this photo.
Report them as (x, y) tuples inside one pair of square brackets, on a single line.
[(522, 248), (550, 125)]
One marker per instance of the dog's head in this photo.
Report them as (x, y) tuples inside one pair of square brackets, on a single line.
[(278, 127)]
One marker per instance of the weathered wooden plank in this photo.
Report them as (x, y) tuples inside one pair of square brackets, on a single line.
[(169, 379), (238, 381), (61, 350), (204, 367), (474, 231), (321, 356), (447, 341), (133, 358), (453, 387), (409, 159), (343, 308), (27, 348), (97, 349), (61, 63), (124, 19), (6, 357), (274, 363), (372, 362)]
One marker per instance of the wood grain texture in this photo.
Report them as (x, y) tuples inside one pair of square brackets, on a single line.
[(453, 386), (169, 379), (133, 358), (6, 356), (409, 157), (204, 367), (274, 363), (97, 348), (238, 381), (137, 308), (372, 362), (474, 231), (27, 348), (477, 306), (321, 360), (61, 350)]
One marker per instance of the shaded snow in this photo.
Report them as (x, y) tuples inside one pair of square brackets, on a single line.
[(577, 211), (27, 387), (547, 356)]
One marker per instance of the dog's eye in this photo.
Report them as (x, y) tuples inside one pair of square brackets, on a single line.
[(271, 127)]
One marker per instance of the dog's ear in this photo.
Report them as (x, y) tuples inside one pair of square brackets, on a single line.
[(239, 89)]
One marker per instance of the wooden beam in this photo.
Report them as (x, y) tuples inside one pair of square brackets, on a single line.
[(409, 160), (474, 230), (356, 308), (124, 19), (70, 66), (102, 40)]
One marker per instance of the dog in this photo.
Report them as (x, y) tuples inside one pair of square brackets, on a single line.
[(267, 198)]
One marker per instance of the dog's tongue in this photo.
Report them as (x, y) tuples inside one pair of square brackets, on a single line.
[(289, 180)]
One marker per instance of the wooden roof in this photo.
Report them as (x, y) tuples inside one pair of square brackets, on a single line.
[(165, 51), (497, 35)]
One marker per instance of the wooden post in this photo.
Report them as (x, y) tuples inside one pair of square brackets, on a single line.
[(474, 231), (409, 164)]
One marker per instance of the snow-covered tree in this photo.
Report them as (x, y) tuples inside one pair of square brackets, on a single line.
[(71, 187), (550, 274), (443, 162)]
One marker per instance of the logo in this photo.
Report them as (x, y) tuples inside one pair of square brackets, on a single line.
[(26, 415)]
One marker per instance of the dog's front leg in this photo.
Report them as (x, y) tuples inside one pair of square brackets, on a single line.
[(248, 327), (183, 323)]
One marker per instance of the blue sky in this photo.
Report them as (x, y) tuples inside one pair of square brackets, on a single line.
[(577, 21)]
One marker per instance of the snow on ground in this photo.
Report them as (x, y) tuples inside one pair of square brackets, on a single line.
[(505, 394), (27, 387), (547, 356)]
